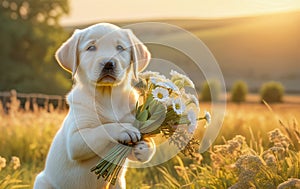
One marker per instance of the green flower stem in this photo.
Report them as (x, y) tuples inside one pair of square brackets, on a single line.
[(112, 153), (150, 134), (110, 166), (108, 158), (201, 118), (117, 170), (116, 162)]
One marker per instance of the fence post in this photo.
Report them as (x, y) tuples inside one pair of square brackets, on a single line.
[(11, 101), (14, 104)]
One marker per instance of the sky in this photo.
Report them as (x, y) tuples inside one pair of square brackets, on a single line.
[(86, 11)]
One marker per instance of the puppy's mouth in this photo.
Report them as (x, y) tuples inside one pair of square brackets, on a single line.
[(106, 79)]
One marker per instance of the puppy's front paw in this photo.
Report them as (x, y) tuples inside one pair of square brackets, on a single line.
[(129, 134), (143, 151)]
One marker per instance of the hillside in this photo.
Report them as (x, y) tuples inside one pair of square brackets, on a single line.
[(255, 49)]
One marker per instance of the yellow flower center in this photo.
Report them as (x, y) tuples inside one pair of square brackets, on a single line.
[(160, 95), (177, 106)]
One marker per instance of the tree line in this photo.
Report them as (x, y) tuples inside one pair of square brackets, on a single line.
[(29, 34)]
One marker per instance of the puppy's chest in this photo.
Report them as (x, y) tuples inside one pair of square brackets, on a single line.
[(109, 112)]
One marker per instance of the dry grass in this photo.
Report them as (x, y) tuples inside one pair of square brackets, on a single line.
[(28, 135), (250, 122)]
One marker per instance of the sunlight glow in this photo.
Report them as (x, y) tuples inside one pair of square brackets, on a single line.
[(102, 10)]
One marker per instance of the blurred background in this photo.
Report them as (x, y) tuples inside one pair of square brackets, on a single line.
[(256, 41)]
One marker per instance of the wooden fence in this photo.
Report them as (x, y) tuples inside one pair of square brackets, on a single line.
[(31, 101)]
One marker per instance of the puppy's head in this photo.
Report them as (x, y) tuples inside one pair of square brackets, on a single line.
[(103, 55)]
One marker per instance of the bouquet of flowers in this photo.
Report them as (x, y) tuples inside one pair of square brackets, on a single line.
[(166, 109)]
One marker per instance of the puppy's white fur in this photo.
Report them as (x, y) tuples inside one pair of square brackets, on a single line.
[(101, 107)]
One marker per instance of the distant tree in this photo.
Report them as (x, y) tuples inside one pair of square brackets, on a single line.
[(29, 34), (210, 90), (272, 92), (239, 91)]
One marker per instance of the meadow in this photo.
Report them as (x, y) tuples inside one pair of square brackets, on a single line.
[(257, 147)]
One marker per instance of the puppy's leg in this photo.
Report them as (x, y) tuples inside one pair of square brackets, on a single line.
[(143, 151), (41, 182), (86, 143)]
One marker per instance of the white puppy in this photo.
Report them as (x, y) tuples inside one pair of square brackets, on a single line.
[(103, 59)]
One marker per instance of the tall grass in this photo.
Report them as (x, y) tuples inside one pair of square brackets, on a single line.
[(256, 148), (27, 135)]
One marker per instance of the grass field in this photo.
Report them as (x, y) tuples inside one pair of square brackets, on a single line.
[(244, 155)]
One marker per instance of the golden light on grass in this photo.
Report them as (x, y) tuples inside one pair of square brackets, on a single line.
[(28, 135)]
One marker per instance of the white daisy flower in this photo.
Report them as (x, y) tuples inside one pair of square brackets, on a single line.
[(207, 117), (155, 80), (181, 80), (191, 115), (178, 106), (191, 99), (160, 94), (16, 162), (148, 74), (169, 85), (2, 162)]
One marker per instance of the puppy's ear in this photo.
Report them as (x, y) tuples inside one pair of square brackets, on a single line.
[(139, 54), (67, 54)]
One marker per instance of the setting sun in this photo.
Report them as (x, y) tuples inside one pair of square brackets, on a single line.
[(99, 10)]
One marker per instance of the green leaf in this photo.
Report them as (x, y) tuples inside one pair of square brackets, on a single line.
[(148, 101), (137, 105), (143, 116), (157, 115)]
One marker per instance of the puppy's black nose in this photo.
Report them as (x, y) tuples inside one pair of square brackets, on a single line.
[(109, 66)]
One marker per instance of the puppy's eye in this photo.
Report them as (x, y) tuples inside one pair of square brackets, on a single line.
[(91, 48), (120, 48)]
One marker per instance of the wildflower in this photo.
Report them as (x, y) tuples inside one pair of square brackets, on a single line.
[(290, 183), (222, 149), (217, 160), (180, 170), (236, 144), (278, 138), (198, 158), (193, 121), (240, 139), (207, 117), (241, 184), (160, 94), (155, 80), (193, 167), (181, 80), (148, 74), (274, 135), (15, 162), (280, 152), (169, 85), (270, 160), (178, 106), (2, 162), (191, 99), (248, 166)]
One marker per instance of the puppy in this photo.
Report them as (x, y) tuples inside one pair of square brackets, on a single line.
[(103, 59)]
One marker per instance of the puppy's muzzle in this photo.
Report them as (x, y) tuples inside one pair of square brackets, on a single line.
[(109, 67), (108, 73)]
